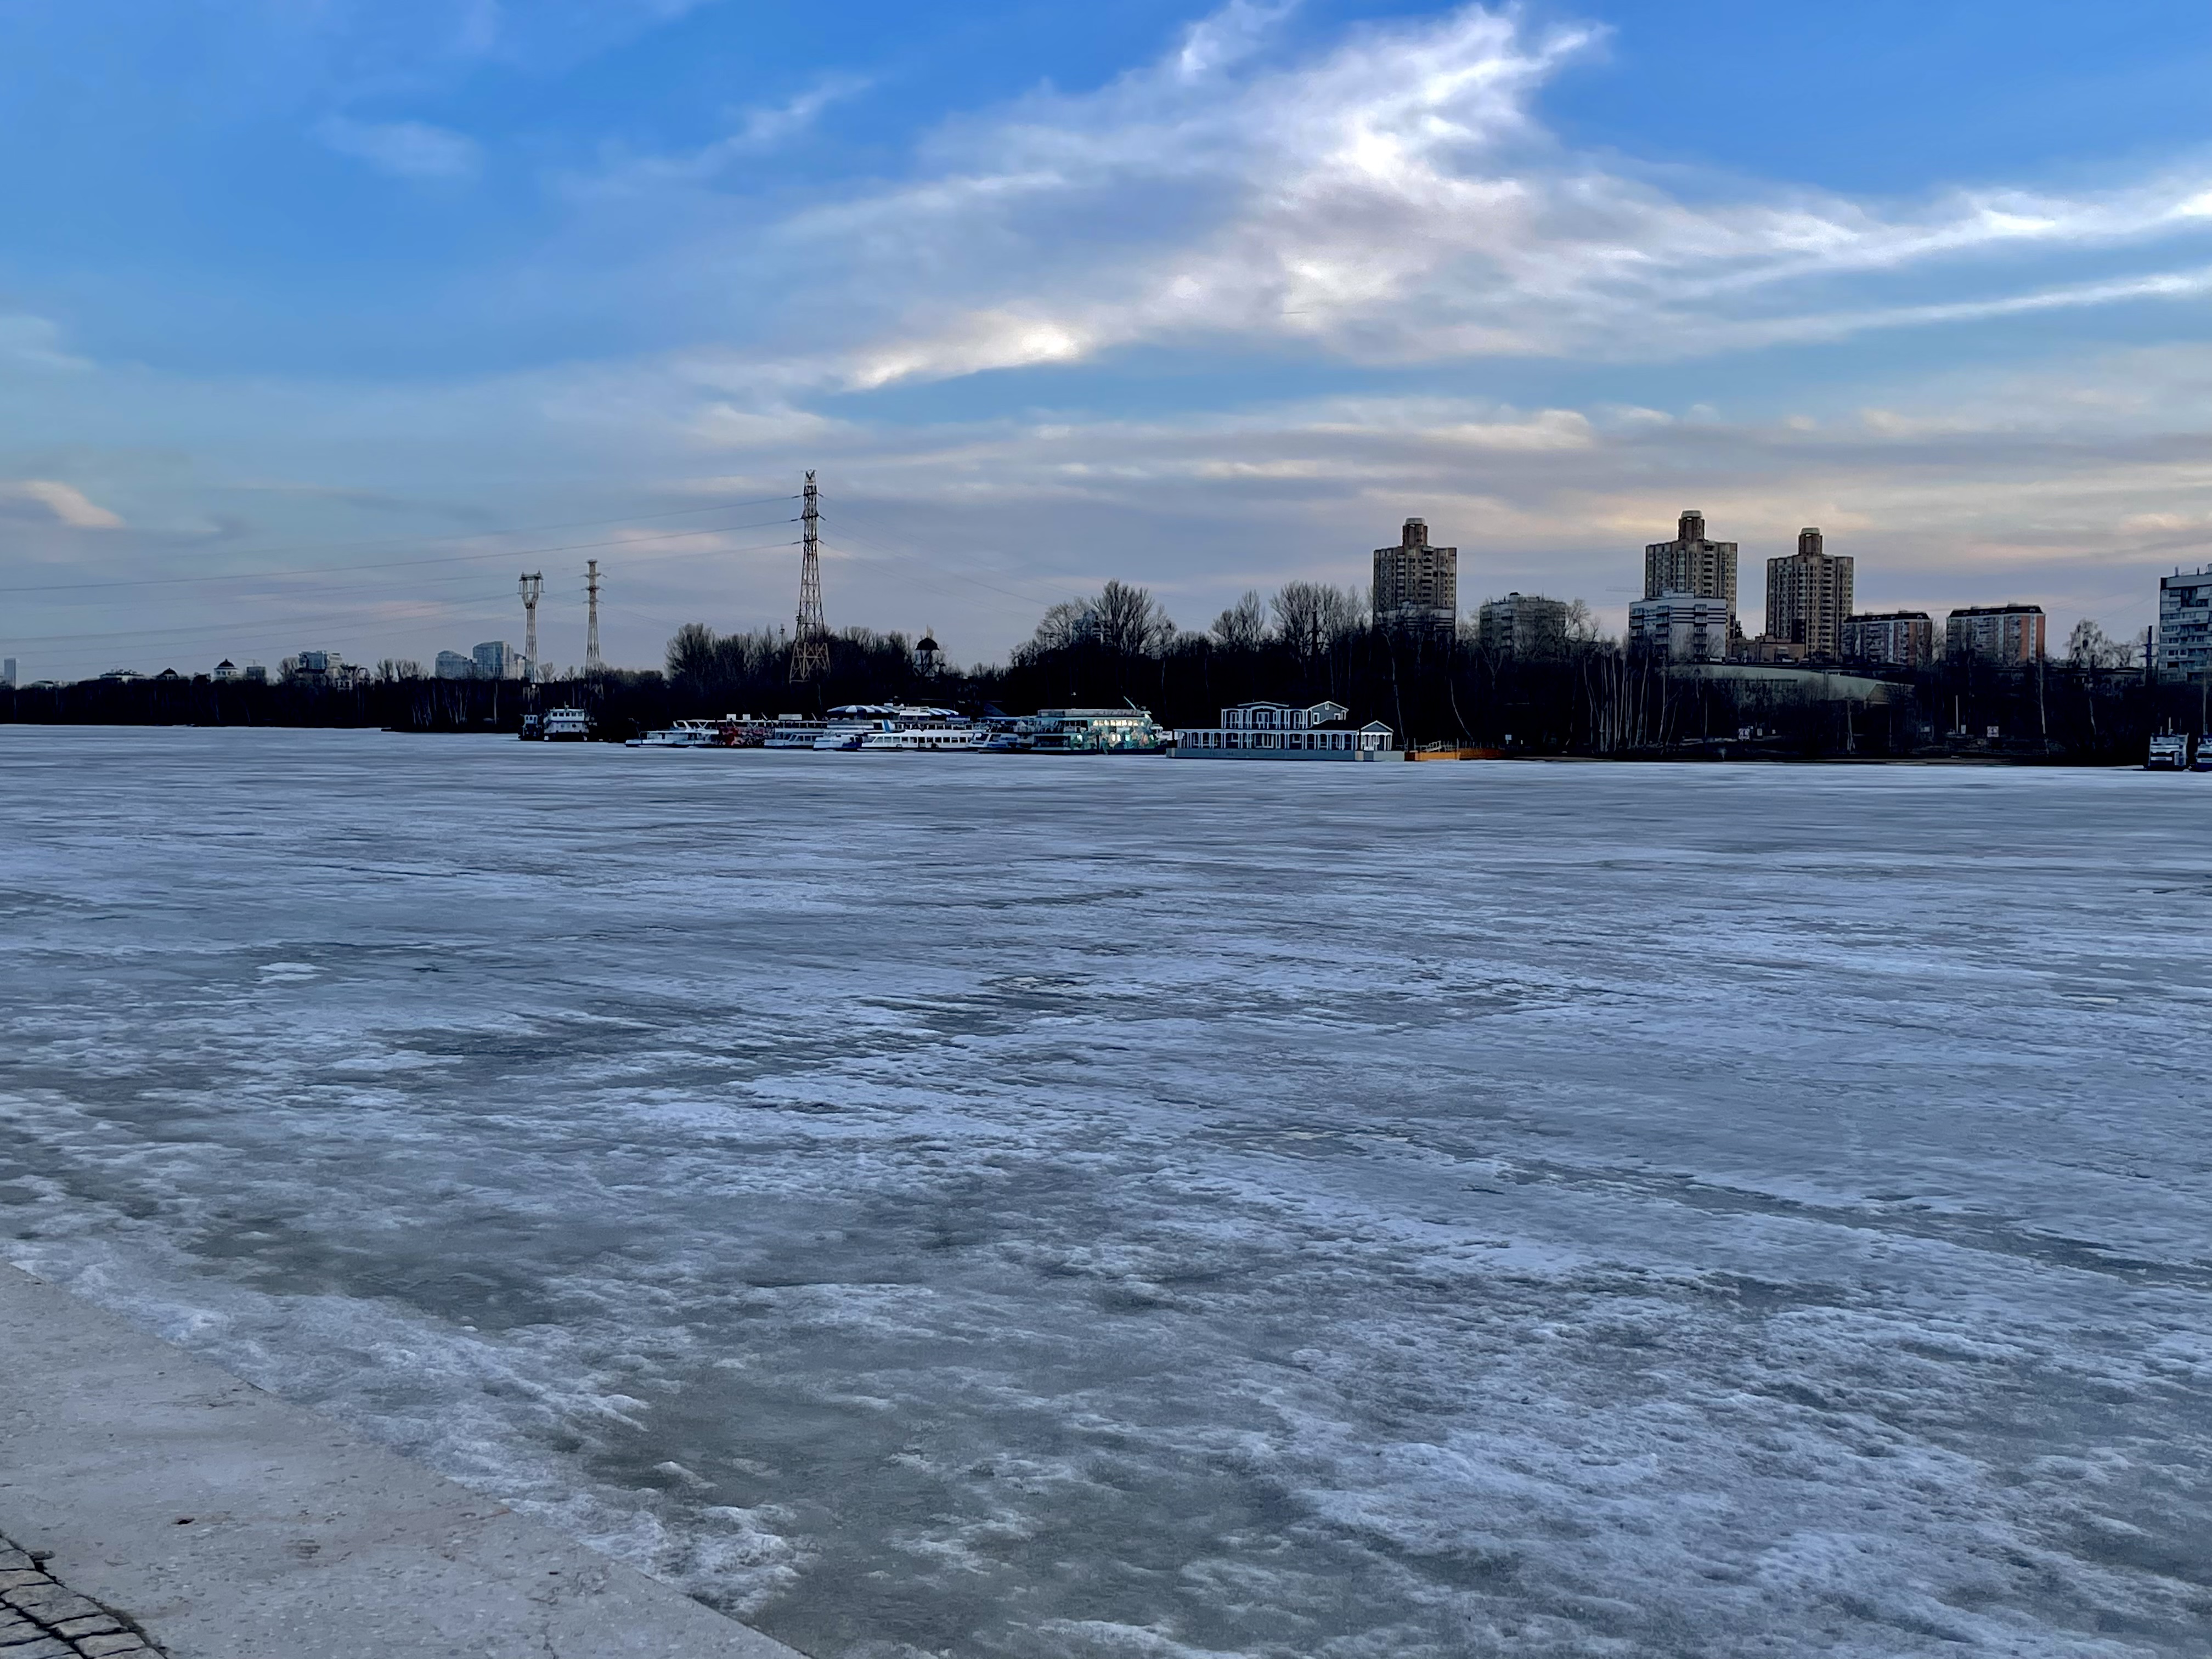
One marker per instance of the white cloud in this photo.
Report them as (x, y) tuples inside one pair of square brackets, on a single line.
[(406, 149), (1392, 198), (760, 128), (68, 504), (35, 343), (771, 124)]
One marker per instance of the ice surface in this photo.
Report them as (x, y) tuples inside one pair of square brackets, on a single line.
[(1001, 1206)]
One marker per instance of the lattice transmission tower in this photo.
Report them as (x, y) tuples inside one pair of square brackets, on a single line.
[(809, 644), (593, 662), (533, 584)]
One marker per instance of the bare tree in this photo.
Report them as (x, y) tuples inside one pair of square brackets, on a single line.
[(1582, 623), (1311, 616), (2088, 647), (691, 653), (1244, 626), (1063, 625), (1129, 621)]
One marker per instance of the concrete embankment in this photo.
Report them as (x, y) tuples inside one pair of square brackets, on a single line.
[(228, 1524)]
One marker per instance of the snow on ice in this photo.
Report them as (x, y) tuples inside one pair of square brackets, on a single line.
[(1087, 1207)]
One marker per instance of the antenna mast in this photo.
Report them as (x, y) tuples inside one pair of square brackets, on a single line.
[(592, 665), (533, 586), (809, 644)]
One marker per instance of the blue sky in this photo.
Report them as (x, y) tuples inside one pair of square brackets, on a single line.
[(318, 321)]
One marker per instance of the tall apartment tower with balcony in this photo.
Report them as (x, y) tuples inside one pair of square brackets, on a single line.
[(1692, 564), (1995, 634), (1417, 586), (1890, 639), (1808, 595), (2185, 622), (1523, 625)]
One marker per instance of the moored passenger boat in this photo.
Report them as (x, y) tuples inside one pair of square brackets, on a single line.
[(921, 729), (792, 732), (684, 734)]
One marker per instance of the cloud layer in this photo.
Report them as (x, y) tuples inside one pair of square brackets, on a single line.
[(1394, 198), (1217, 322), (406, 149)]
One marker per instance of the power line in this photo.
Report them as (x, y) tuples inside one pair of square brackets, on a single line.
[(456, 558), (365, 608), (907, 565)]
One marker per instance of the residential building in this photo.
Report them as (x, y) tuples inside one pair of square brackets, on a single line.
[(1097, 731), (2185, 622), (495, 660), (1770, 652), (8, 672), (1893, 638), (1417, 586), (1282, 731), (455, 665), (1809, 594), (1681, 627), (254, 674), (1691, 564), (1522, 625), (1995, 633)]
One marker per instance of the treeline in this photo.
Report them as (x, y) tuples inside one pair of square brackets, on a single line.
[(406, 704), (1304, 643), (1309, 641)]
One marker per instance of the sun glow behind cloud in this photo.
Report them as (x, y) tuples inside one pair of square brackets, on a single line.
[(1395, 199)]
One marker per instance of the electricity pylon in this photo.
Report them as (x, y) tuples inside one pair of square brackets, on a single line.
[(533, 584), (592, 665), (810, 643)]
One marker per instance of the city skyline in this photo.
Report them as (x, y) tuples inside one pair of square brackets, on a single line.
[(1204, 298)]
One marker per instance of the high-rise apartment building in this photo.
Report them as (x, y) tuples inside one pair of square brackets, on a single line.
[(7, 672), (1691, 564), (1809, 594), (1523, 625), (1417, 586), (2185, 622), (495, 660), (1995, 633), (1890, 639), (1681, 627)]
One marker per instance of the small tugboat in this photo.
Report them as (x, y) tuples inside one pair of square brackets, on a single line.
[(566, 726), (2169, 752)]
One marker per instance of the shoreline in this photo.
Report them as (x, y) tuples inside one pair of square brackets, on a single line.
[(226, 1523)]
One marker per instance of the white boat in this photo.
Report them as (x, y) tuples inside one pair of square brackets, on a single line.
[(927, 730), (926, 739), (566, 726), (792, 732), (850, 734), (685, 734)]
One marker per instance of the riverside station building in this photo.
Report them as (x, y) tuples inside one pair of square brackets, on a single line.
[(1280, 730)]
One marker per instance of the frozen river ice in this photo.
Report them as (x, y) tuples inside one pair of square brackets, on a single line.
[(1076, 1208)]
